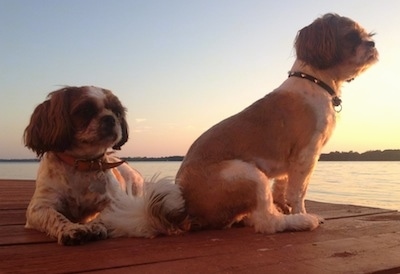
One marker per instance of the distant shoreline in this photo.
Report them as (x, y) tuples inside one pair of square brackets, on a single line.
[(373, 155)]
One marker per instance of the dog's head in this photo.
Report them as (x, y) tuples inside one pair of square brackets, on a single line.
[(87, 119), (336, 42)]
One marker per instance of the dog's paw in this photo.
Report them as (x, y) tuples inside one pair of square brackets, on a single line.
[(80, 234), (99, 231), (283, 208), (320, 219)]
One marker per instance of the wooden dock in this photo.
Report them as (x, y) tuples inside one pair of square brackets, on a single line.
[(353, 239)]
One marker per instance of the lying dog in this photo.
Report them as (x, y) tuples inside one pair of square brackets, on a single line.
[(84, 193), (226, 173)]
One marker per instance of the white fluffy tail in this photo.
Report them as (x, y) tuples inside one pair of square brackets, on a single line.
[(161, 210)]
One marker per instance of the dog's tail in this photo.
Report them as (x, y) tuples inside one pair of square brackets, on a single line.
[(161, 210)]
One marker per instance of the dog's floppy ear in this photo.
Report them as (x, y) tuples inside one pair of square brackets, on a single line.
[(50, 128), (120, 111), (318, 43), (125, 134)]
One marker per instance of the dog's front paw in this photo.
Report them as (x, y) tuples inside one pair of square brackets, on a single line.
[(283, 208), (80, 234), (320, 219)]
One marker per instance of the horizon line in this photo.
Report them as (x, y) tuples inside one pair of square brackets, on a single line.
[(182, 156)]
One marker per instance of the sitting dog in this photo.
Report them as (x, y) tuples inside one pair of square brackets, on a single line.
[(83, 192), (226, 173)]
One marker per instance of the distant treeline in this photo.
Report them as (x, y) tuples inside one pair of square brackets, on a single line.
[(19, 160), (154, 159), (373, 155)]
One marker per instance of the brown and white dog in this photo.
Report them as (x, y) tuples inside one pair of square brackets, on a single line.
[(84, 193), (226, 173)]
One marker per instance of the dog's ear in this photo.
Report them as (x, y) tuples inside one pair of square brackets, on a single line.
[(318, 44), (50, 128), (125, 134), (120, 111)]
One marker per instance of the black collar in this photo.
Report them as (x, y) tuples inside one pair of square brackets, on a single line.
[(336, 101)]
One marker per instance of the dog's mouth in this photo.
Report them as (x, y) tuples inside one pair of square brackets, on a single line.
[(108, 136), (373, 56), (105, 134)]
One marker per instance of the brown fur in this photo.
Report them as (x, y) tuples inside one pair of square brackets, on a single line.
[(54, 122), (225, 174)]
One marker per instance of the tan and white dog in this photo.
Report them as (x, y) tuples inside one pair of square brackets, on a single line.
[(225, 176), (83, 192)]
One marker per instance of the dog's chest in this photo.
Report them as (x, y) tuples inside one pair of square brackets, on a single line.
[(87, 195), (324, 113), (325, 120)]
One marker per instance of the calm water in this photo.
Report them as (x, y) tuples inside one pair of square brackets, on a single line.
[(375, 184)]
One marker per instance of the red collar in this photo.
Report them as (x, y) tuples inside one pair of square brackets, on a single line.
[(95, 164)]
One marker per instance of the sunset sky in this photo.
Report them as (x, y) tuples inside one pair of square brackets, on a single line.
[(181, 66)]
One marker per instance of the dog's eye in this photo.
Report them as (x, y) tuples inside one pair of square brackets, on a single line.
[(115, 106), (117, 110), (83, 115), (117, 113), (354, 38), (87, 111)]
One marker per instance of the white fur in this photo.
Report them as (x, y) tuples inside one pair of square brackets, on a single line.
[(238, 169), (133, 216), (96, 92), (266, 218)]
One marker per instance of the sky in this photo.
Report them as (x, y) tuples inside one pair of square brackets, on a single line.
[(181, 66)]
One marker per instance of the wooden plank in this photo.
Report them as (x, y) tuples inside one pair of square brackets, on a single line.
[(234, 250), (16, 194), (18, 234), (352, 240), (366, 225), (12, 216), (333, 211), (342, 256)]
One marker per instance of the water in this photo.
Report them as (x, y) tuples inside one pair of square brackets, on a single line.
[(375, 184)]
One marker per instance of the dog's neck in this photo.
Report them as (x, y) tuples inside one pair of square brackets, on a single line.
[(336, 101), (320, 78), (325, 76), (95, 164)]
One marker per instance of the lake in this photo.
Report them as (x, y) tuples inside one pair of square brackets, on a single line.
[(375, 184)]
